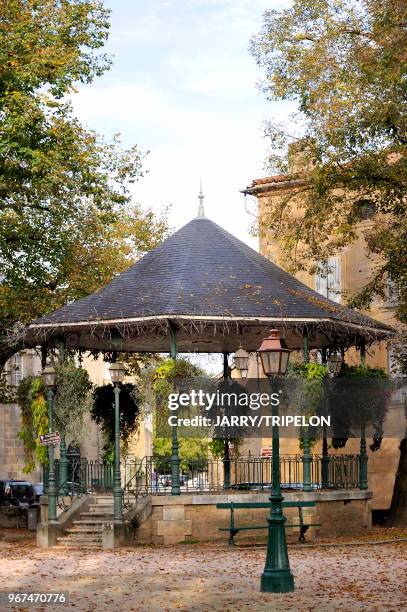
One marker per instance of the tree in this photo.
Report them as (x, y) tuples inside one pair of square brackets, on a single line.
[(344, 64), (66, 222), (102, 412), (193, 454)]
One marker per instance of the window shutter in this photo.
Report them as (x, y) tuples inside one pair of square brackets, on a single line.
[(334, 279)]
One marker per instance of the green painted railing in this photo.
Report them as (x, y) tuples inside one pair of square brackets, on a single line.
[(152, 476)]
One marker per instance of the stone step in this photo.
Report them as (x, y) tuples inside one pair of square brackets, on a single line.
[(89, 522), (85, 529), (95, 515), (89, 545), (80, 541)]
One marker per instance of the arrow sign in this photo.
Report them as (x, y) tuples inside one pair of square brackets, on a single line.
[(50, 438)]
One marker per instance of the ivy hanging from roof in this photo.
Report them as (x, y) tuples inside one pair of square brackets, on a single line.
[(102, 412)]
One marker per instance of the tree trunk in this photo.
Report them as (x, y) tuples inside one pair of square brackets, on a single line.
[(398, 508), (5, 355)]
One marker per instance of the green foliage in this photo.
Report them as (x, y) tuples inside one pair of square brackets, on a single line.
[(193, 453), (72, 398), (51, 44), (171, 369), (217, 447), (67, 225), (344, 65), (34, 421), (165, 375), (308, 371), (311, 392), (102, 412), (362, 371), (367, 404), (7, 394)]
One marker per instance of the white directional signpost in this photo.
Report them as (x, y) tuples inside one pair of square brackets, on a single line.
[(53, 438)]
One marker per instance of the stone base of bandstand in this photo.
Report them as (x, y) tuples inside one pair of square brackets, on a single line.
[(47, 533), (115, 535), (184, 518)]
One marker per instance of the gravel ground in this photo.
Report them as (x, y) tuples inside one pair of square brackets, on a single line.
[(209, 577)]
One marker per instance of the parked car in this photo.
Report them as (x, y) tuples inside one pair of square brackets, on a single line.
[(39, 490), (17, 493)]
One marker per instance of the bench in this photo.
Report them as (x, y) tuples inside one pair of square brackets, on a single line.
[(234, 530)]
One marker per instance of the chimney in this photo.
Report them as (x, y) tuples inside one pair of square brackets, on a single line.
[(300, 156)]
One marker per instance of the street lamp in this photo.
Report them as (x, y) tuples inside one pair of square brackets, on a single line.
[(48, 375), (277, 576), (334, 365), (241, 361), (274, 357), (117, 371)]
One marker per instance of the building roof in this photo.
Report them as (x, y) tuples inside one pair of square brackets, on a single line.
[(210, 284), (272, 183)]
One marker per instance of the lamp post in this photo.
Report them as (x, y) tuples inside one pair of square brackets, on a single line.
[(174, 460), (48, 375), (334, 365), (63, 465), (241, 361), (277, 576), (117, 372)]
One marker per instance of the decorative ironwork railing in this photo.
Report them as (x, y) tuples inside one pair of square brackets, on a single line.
[(152, 476)]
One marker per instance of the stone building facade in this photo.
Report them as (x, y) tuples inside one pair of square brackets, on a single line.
[(345, 273), (28, 363)]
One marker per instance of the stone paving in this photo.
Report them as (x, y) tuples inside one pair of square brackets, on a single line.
[(209, 577)]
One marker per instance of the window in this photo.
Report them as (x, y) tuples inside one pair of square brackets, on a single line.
[(392, 293), (328, 279), (364, 209), (15, 369)]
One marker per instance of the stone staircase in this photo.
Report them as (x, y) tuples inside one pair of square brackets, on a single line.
[(86, 530)]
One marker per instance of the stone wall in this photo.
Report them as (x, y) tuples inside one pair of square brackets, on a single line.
[(13, 517), (11, 447), (195, 517)]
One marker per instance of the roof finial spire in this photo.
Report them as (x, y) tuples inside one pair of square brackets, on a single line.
[(201, 212)]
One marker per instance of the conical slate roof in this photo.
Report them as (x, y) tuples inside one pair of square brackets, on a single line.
[(205, 275)]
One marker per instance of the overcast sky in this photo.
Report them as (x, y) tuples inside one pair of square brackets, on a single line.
[(183, 86)]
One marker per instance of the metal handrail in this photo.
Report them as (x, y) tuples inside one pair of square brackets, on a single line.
[(152, 476)]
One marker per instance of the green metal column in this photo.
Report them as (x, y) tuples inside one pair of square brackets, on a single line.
[(306, 463), (117, 486), (63, 459), (362, 353), (277, 576), (306, 456), (325, 462), (51, 489), (363, 454), (175, 461), (305, 346), (226, 450), (325, 455), (63, 465), (45, 472), (363, 460)]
